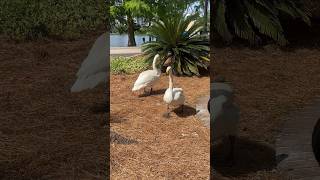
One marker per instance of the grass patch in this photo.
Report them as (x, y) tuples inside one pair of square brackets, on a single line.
[(128, 65)]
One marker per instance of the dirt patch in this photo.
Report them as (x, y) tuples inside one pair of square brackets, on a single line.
[(47, 132), (173, 148)]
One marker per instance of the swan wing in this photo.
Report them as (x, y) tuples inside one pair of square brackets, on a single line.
[(178, 95), (216, 106), (167, 97), (227, 120), (145, 78), (93, 69), (97, 59), (89, 82)]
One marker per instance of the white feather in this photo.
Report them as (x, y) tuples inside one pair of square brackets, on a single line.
[(173, 96), (148, 78), (93, 70), (225, 116)]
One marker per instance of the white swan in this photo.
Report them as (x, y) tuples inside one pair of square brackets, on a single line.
[(148, 78), (173, 96), (224, 115), (94, 69)]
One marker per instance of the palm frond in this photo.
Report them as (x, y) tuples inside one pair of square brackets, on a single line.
[(181, 36), (266, 22), (219, 21), (249, 19)]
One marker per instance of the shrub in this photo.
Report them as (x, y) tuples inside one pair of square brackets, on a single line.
[(30, 19), (189, 49), (128, 65)]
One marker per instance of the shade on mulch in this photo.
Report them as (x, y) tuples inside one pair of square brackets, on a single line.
[(269, 83), (46, 132)]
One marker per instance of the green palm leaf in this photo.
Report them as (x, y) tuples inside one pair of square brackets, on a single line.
[(181, 36), (250, 19)]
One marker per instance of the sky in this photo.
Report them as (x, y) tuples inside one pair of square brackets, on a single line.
[(191, 9)]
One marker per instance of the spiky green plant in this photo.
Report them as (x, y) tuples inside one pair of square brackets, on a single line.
[(189, 49), (253, 19)]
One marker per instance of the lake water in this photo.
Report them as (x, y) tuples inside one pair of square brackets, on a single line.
[(121, 40)]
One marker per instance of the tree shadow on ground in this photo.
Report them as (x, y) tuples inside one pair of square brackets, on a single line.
[(118, 139), (300, 35), (154, 92), (250, 157), (187, 111)]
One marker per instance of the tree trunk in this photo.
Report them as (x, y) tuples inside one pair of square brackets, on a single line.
[(212, 70), (131, 39), (206, 2)]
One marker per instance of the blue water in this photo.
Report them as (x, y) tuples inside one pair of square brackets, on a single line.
[(121, 40)]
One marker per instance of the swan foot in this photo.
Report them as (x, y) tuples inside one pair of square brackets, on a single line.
[(150, 91), (166, 115)]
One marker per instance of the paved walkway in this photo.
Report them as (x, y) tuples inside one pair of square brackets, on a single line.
[(294, 144), (125, 51)]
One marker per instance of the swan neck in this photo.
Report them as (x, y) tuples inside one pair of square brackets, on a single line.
[(154, 64), (170, 81)]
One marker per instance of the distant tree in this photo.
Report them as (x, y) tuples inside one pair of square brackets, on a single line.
[(124, 12)]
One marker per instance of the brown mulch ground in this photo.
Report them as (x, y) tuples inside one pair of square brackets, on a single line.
[(47, 132), (164, 148), (269, 84)]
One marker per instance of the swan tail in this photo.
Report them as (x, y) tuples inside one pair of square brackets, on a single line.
[(137, 87), (83, 83)]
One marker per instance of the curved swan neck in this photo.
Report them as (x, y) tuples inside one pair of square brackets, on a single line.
[(170, 80), (154, 63)]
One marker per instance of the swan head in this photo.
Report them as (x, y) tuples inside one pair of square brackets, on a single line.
[(168, 69)]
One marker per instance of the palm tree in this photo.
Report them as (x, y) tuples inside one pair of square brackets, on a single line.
[(180, 36), (254, 19)]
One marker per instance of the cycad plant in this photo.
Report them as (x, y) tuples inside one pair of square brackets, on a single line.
[(180, 36), (253, 19)]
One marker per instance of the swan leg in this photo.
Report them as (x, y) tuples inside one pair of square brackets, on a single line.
[(231, 152), (182, 108), (167, 114), (150, 91)]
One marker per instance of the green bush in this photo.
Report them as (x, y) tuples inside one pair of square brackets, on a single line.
[(31, 19), (128, 65)]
